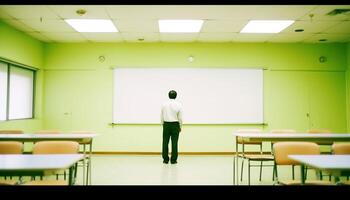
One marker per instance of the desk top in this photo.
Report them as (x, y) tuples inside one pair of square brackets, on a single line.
[(38, 162), (292, 135), (49, 136), (330, 162)]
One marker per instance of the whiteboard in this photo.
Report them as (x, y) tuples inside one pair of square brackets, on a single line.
[(207, 95)]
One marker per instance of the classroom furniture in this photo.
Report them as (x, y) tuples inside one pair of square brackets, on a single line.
[(39, 165), (282, 150), (47, 132), (87, 156), (11, 131), (341, 148), (336, 165), (320, 131), (249, 156), (10, 147), (282, 131), (55, 147), (275, 137), (80, 138)]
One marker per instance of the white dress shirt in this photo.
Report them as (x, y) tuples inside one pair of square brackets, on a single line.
[(171, 112)]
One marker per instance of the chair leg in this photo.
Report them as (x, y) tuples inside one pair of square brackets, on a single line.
[(248, 172), (293, 172), (242, 169), (260, 170), (56, 176), (305, 172)]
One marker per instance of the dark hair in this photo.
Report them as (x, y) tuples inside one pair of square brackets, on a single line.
[(172, 94)]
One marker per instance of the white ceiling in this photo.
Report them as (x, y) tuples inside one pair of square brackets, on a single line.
[(221, 23)]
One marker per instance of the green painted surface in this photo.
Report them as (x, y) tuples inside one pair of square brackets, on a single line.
[(79, 89), (21, 48)]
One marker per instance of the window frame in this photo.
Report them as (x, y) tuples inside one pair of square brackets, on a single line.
[(9, 65)]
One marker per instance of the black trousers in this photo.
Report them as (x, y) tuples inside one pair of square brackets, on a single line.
[(170, 130)]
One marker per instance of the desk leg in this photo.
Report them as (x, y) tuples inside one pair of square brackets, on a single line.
[(234, 168), (236, 158), (89, 169), (84, 163), (70, 176), (302, 172)]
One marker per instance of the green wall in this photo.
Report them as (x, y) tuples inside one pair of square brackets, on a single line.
[(21, 48), (78, 89)]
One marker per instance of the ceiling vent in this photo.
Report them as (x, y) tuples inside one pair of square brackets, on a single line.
[(338, 12)]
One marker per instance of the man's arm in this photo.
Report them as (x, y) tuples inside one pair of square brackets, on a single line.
[(161, 117), (179, 117)]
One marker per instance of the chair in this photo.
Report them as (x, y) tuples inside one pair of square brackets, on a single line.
[(54, 147), (281, 150), (87, 157), (283, 131), (10, 147), (342, 148), (261, 157), (11, 132)]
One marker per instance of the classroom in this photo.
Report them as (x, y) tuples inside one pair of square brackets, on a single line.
[(83, 105)]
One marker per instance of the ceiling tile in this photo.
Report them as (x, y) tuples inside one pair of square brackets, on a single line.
[(310, 26), (320, 13), (39, 36), (134, 37), (137, 25), (251, 37), (178, 37), (215, 37), (103, 37), (289, 37), (69, 11), (342, 27), (65, 37), (29, 12), (18, 25), (48, 25), (223, 26)]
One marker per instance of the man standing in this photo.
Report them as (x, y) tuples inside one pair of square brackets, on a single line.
[(171, 117)]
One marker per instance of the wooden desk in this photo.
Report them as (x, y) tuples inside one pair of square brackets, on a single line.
[(278, 137), (38, 165), (83, 139), (336, 165)]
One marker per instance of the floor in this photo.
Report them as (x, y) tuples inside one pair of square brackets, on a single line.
[(190, 170)]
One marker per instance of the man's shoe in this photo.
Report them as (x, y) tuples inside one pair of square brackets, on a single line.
[(173, 162), (165, 162)]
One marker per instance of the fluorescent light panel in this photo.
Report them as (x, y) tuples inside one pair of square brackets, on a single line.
[(266, 26), (92, 25), (180, 26)]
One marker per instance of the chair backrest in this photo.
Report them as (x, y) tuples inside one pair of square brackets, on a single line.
[(11, 147), (47, 131), (239, 141), (281, 150), (283, 131), (318, 131), (341, 148), (11, 132), (56, 147)]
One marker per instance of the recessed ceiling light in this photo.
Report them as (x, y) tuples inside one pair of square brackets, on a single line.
[(266, 26), (92, 25), (180, 26)]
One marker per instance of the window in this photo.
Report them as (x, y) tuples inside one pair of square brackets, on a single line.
[(16, 92)]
